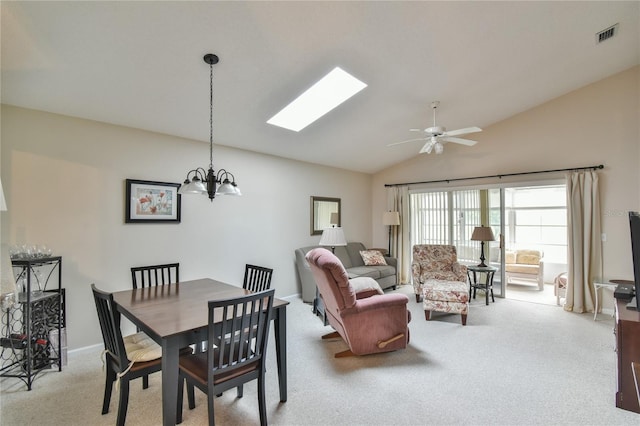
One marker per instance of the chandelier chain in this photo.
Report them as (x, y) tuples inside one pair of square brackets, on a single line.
[(211, 116)]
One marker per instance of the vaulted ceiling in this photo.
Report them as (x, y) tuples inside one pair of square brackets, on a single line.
[(139, 64)]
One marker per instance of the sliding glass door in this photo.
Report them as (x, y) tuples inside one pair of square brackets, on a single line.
[(531, 217), (449, 217)]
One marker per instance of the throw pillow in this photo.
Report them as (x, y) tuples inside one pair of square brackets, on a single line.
[(372, 258)]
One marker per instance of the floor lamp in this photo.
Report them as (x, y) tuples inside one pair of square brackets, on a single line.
[(390, 219)]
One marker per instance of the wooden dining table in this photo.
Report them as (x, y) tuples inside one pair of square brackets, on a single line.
[(177, 315)]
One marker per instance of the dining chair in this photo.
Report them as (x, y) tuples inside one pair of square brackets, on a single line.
[(126, 358), (154, 275), (240, 328), (257, 278)]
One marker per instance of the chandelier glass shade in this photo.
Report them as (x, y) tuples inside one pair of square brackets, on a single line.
[(198, 180)]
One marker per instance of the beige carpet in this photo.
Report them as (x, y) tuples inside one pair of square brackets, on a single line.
[(515, 363)]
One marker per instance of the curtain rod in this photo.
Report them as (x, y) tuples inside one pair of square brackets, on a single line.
[(600, 166)]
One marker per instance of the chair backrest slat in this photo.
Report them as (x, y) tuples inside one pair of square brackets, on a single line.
[(110, 326), (257, 278), (155, 275), (240, 332)]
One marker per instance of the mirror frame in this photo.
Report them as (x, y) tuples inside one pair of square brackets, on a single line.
[(317, 230)]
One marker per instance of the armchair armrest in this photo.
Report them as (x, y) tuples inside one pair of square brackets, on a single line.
[(460, 270), (383, 301), (415, 271)]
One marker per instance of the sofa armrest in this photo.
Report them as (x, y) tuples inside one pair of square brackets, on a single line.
[(391, 261)]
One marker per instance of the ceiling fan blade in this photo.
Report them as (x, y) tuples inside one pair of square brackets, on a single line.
[(408, 140), (463, 131), (416, 130), (426, 148), (461, 141)]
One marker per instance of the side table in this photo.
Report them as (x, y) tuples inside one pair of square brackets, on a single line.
[(472, 274), (611, 285)]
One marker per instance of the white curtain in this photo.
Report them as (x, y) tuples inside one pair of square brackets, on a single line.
[(584, 241), (400, 238)]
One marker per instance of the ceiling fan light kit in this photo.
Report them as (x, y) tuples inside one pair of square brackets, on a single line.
[(437, 136)]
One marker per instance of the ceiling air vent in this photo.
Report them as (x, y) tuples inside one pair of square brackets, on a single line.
[(606, 34)]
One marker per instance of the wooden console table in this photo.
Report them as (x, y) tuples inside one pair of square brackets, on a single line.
[(628, 351)]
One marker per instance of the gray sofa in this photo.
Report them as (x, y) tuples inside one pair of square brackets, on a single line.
[(350, 257)]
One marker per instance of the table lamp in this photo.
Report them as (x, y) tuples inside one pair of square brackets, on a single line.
[(333, 237), (482, 234)]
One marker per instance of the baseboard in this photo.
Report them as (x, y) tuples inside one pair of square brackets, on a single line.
[(607, 311), (80, 351)]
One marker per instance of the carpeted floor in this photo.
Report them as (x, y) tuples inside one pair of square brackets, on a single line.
[(515, 363)]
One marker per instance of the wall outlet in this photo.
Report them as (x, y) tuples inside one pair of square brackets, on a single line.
[(603, 237)]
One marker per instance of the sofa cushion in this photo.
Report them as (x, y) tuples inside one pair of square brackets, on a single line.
[(528, 257), (364, 271), (365, 284), (372, 258), (510, 257), (353, 253), (522, 268)]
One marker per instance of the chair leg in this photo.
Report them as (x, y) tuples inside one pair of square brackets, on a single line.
[(191, 396), (212, 419), (331, 335), (344, 354), (145, 381), (427, 315), (262, 406), (110, 377), (123, 402), (464, 319), (418, 298), (180, 400), (240, 391)]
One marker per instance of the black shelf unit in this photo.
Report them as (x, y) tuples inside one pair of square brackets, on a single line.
[(26, 329)]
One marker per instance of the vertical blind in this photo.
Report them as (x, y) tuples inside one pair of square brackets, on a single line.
[(446, 217)]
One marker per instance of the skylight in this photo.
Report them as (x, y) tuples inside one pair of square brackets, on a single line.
[(329, 92)]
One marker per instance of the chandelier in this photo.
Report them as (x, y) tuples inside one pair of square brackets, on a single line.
[(198, 180)]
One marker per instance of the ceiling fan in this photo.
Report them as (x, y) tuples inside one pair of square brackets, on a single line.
[(436, 136)]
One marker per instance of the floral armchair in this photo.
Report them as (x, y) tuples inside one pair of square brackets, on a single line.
[(436, 262)]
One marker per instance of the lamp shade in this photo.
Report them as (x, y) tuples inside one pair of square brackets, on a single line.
[(333, 237), (335, 219), (194, 187), (391, 218), (482, 233), (8, 290)]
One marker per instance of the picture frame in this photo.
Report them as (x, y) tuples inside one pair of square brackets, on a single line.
[(323, 211), (152, 202)]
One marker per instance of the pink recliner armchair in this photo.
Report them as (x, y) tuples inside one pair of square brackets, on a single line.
[(368, 322)]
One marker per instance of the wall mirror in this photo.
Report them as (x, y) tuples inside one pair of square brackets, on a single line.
[(323, 210)]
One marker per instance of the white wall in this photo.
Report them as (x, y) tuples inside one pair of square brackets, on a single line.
[(64, 182), (597, 124)]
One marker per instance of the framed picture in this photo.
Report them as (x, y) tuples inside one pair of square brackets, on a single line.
[(152, 202)]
